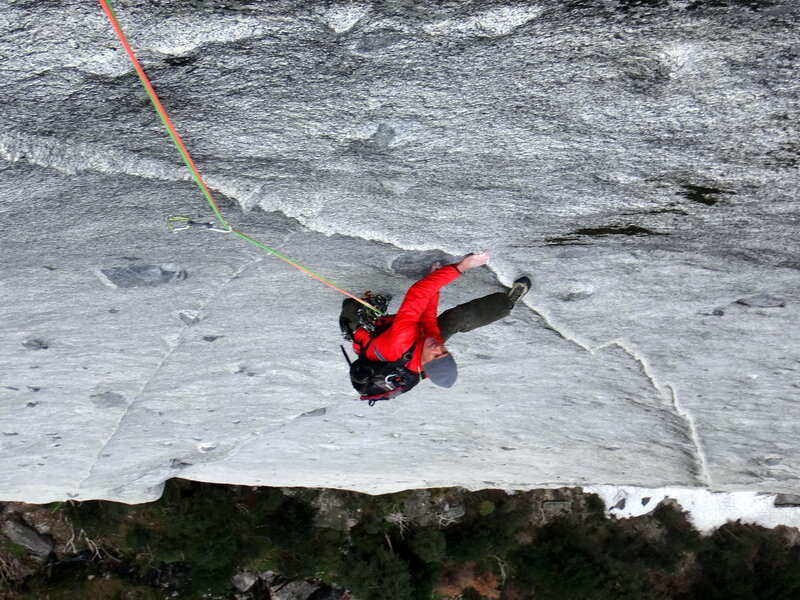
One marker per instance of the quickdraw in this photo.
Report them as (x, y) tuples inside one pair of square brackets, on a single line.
[(176, 224)]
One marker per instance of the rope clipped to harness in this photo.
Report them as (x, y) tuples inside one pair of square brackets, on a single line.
[(176, 139), (353, 318)]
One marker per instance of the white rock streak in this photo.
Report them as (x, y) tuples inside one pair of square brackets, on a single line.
[(667, 391)]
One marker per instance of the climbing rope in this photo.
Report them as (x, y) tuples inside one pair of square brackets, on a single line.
[(181, 223)]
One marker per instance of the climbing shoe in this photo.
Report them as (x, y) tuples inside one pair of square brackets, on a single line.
[(519, 289)]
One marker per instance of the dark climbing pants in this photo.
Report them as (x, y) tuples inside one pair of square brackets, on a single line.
[(473, 314), (464, 317)]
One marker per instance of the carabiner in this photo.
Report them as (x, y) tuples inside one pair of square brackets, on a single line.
[(176, 224)]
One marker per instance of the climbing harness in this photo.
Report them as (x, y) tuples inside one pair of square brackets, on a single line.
[(176, 224), (176, 139), (381, 380), (374, 380)]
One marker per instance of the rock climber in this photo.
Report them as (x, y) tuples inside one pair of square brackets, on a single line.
[(410, 345)]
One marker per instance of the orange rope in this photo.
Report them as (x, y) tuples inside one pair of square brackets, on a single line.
[(190, 163)]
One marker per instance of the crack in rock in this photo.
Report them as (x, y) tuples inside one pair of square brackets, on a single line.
[(275, 427), (667, 391), (73, 158), (172, 345), (702, 459)]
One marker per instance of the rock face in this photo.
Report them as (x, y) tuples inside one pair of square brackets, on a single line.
[(638, 160), (37, 544)]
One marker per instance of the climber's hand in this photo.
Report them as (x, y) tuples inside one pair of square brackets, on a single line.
[(473, 260)]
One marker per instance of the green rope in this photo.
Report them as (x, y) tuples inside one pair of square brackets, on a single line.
[(176, 139)]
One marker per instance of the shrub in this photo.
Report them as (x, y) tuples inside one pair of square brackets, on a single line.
[(197, 524), (486, 508), (429, 544), (567, 560), (378, 576), (747, 562), (290, 529), (482, 532)]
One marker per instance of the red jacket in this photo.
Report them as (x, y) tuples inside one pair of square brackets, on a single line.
[(415, 321)]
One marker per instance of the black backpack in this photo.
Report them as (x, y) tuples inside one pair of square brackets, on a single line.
[(375, 380)]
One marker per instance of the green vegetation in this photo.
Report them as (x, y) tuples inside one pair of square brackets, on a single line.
[(416, 545)]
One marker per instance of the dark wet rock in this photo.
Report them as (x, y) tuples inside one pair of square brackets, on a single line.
[(142, 275), (616, 230), (37, 544), (754, 5), (317, 412), (416, 265), (667, 211), (173, 575), (703, 194), (626, 6), (32, 404), (566, 241), (180, 61), (326, 592), (787, 500), (552, 508), (108, 400), (35, 344), (573, 296), (189, 319), (578, 237), (762, 301), (619, 505), (211, 338)]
